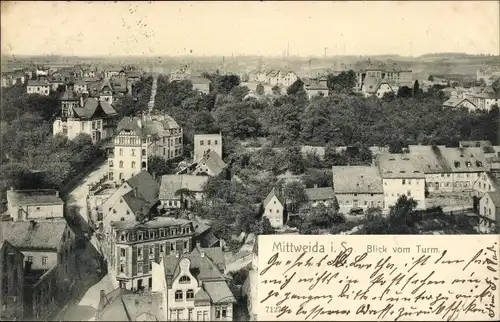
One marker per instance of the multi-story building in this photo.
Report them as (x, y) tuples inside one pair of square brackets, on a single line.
[(41, 87), (205, 142), (49, 263), (275, 208), (377, 87), (489, 211), (180, 191), (438, 174), (484, 101), (11, 282), (401, 175), (320, 195), (486, 182), (316, 89), (358, 187), (39, 204), (89, 116), (138, 138), (131, 247), (400, 77), (194, 285)]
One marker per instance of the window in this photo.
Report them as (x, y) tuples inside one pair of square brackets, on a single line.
[(122, 268), (133, 164), (178, 295), (133, 152), (162, 248), (215, 142), (408, 193), (209, 142), (409, 181), (201, 142), (151, 249), (172, 246), (139, 236), (162, 233), (404, 181), (122, 237), (30, 259), (150, 265), (190, 295), (198, 316), (120, 152), (184, 279), (205, 316), (121, 164), (44, 260), (139, 250), (139, 268), (122, 252)]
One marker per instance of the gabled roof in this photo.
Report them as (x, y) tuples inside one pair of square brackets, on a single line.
[(213, 162), (356, 179), (495, 198), (94, 108), (371, 84), (200, 80), (274, 193), (203, 268), (456, 101), (33, 197), (396, 165), (137, 203), (43, 235), (430, 159), (171, 183), (464, 159), (145, 185), (38, 83), (320, 193)]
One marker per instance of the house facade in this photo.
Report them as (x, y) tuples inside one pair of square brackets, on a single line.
[(357, 187), (181, 191), (11, 282), (88, 116), (40, 87), (401, 175), (195, 286), (38, 204), (388, 72), (205, 142), (322, 195), (138, 138), (49, 263), (489, 211), (131, 247), (274, 209), (211, 164), (315, 89), (201, 84)]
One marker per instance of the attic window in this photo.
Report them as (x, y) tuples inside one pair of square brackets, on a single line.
[(392, 159), (468, 164), (479, 164), (472, 155), (388, 171), (405, 158), (457, 164), (184, 279), (402, 171), (416, 171)]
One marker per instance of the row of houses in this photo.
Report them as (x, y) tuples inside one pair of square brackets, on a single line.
[(274, 77), (468, 170), (37, 256)]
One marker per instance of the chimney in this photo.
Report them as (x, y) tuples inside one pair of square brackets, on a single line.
[(102, 296), (57, 193)]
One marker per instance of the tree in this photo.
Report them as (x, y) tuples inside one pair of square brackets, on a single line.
[(343, 82), (276, 90), (294, 159), (317, 177), (295, 194), (404, 92), (184, 192), (204, 123), (416, 89), (159, 166), (260, 89), (295, 87), (496, 86), (225, 83), (238, 120), (239, 92), (263, 227), (431, 78)]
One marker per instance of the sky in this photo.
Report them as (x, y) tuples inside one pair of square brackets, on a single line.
[(249, 28)]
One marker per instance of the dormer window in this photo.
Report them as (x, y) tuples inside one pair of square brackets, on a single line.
[(468, 164), (457, 164), (479, 163), (184, 279)]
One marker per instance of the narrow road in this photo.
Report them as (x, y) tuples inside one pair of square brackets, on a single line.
[(154, 86)]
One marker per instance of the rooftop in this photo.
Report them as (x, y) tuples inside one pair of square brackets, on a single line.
[(155, 223), (34, 197), (124, 305), (464, 159), (274, 193), (356, 179), (38, 83), (94, 108), (429, 158), (145, 185), (153, 126), (395, 165), (42, 235), (213, 162), (495, 197), (172, 183), (320, 193)]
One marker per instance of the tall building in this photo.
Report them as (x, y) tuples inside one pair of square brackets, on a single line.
[(84, 115), (206, 142), (137, 139)]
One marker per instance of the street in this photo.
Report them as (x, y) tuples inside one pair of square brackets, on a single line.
[(91, 281)]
